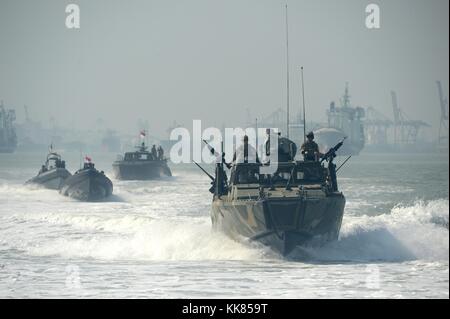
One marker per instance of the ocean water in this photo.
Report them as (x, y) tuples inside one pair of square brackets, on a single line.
[(153, 239)]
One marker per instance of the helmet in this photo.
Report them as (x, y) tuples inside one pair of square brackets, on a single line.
[(310, 135)]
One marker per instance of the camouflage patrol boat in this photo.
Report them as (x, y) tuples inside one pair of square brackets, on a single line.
[(298, 205), (87, 184), (141, 165), (52, 174)]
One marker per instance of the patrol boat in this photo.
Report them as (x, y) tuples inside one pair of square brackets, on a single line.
[(299, 204), (141, 164), (53, 173), (87, 184)]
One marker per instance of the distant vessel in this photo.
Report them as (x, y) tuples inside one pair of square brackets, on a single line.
[(343, 121), (87, 184), (53, 173), (142, 164), (8, 138)]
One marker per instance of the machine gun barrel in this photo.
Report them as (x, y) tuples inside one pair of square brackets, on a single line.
[(211, 149), (209, 175), (332, 151), (213, 152)]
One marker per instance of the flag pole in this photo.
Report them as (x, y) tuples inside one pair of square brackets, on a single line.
[(287, 73), (304, 116)]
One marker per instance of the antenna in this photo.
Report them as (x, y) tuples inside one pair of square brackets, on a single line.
[(287, 74), (396, 114), (256, 134), (27, 118), (81, 156), (303, 97), (444, 116)]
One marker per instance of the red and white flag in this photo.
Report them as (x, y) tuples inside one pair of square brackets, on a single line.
[(87, 159), (142, 134)]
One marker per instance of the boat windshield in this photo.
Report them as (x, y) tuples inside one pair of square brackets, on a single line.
[(144, 156), (250, 175), (281, 177), (54, 161), (137, 156), (299, 173)]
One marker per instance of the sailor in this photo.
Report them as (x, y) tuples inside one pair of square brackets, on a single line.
[(43, 169), (222, 182), (245, 153), (154, 153), (88, 163), (310, 149), (160, 152)]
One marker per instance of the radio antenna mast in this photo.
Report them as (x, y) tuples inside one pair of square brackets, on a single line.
[(287, 74), (303, 97)]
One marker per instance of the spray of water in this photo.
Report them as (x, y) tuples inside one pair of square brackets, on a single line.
[(53, 225)]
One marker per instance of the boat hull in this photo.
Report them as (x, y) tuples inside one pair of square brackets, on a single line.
[(52, 179), (282, 224), (87, 185), (140, 170)]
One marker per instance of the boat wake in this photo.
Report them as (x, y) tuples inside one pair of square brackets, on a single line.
[(147, 239), (407, 233), (54, 226)]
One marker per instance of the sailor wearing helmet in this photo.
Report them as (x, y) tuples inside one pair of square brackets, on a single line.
[(310, 149)]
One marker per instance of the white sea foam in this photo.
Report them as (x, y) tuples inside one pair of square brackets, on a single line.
[(152, 240), (408, 232), (149, 228)]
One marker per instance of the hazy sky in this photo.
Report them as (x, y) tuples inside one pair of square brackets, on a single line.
[(209, 59)]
